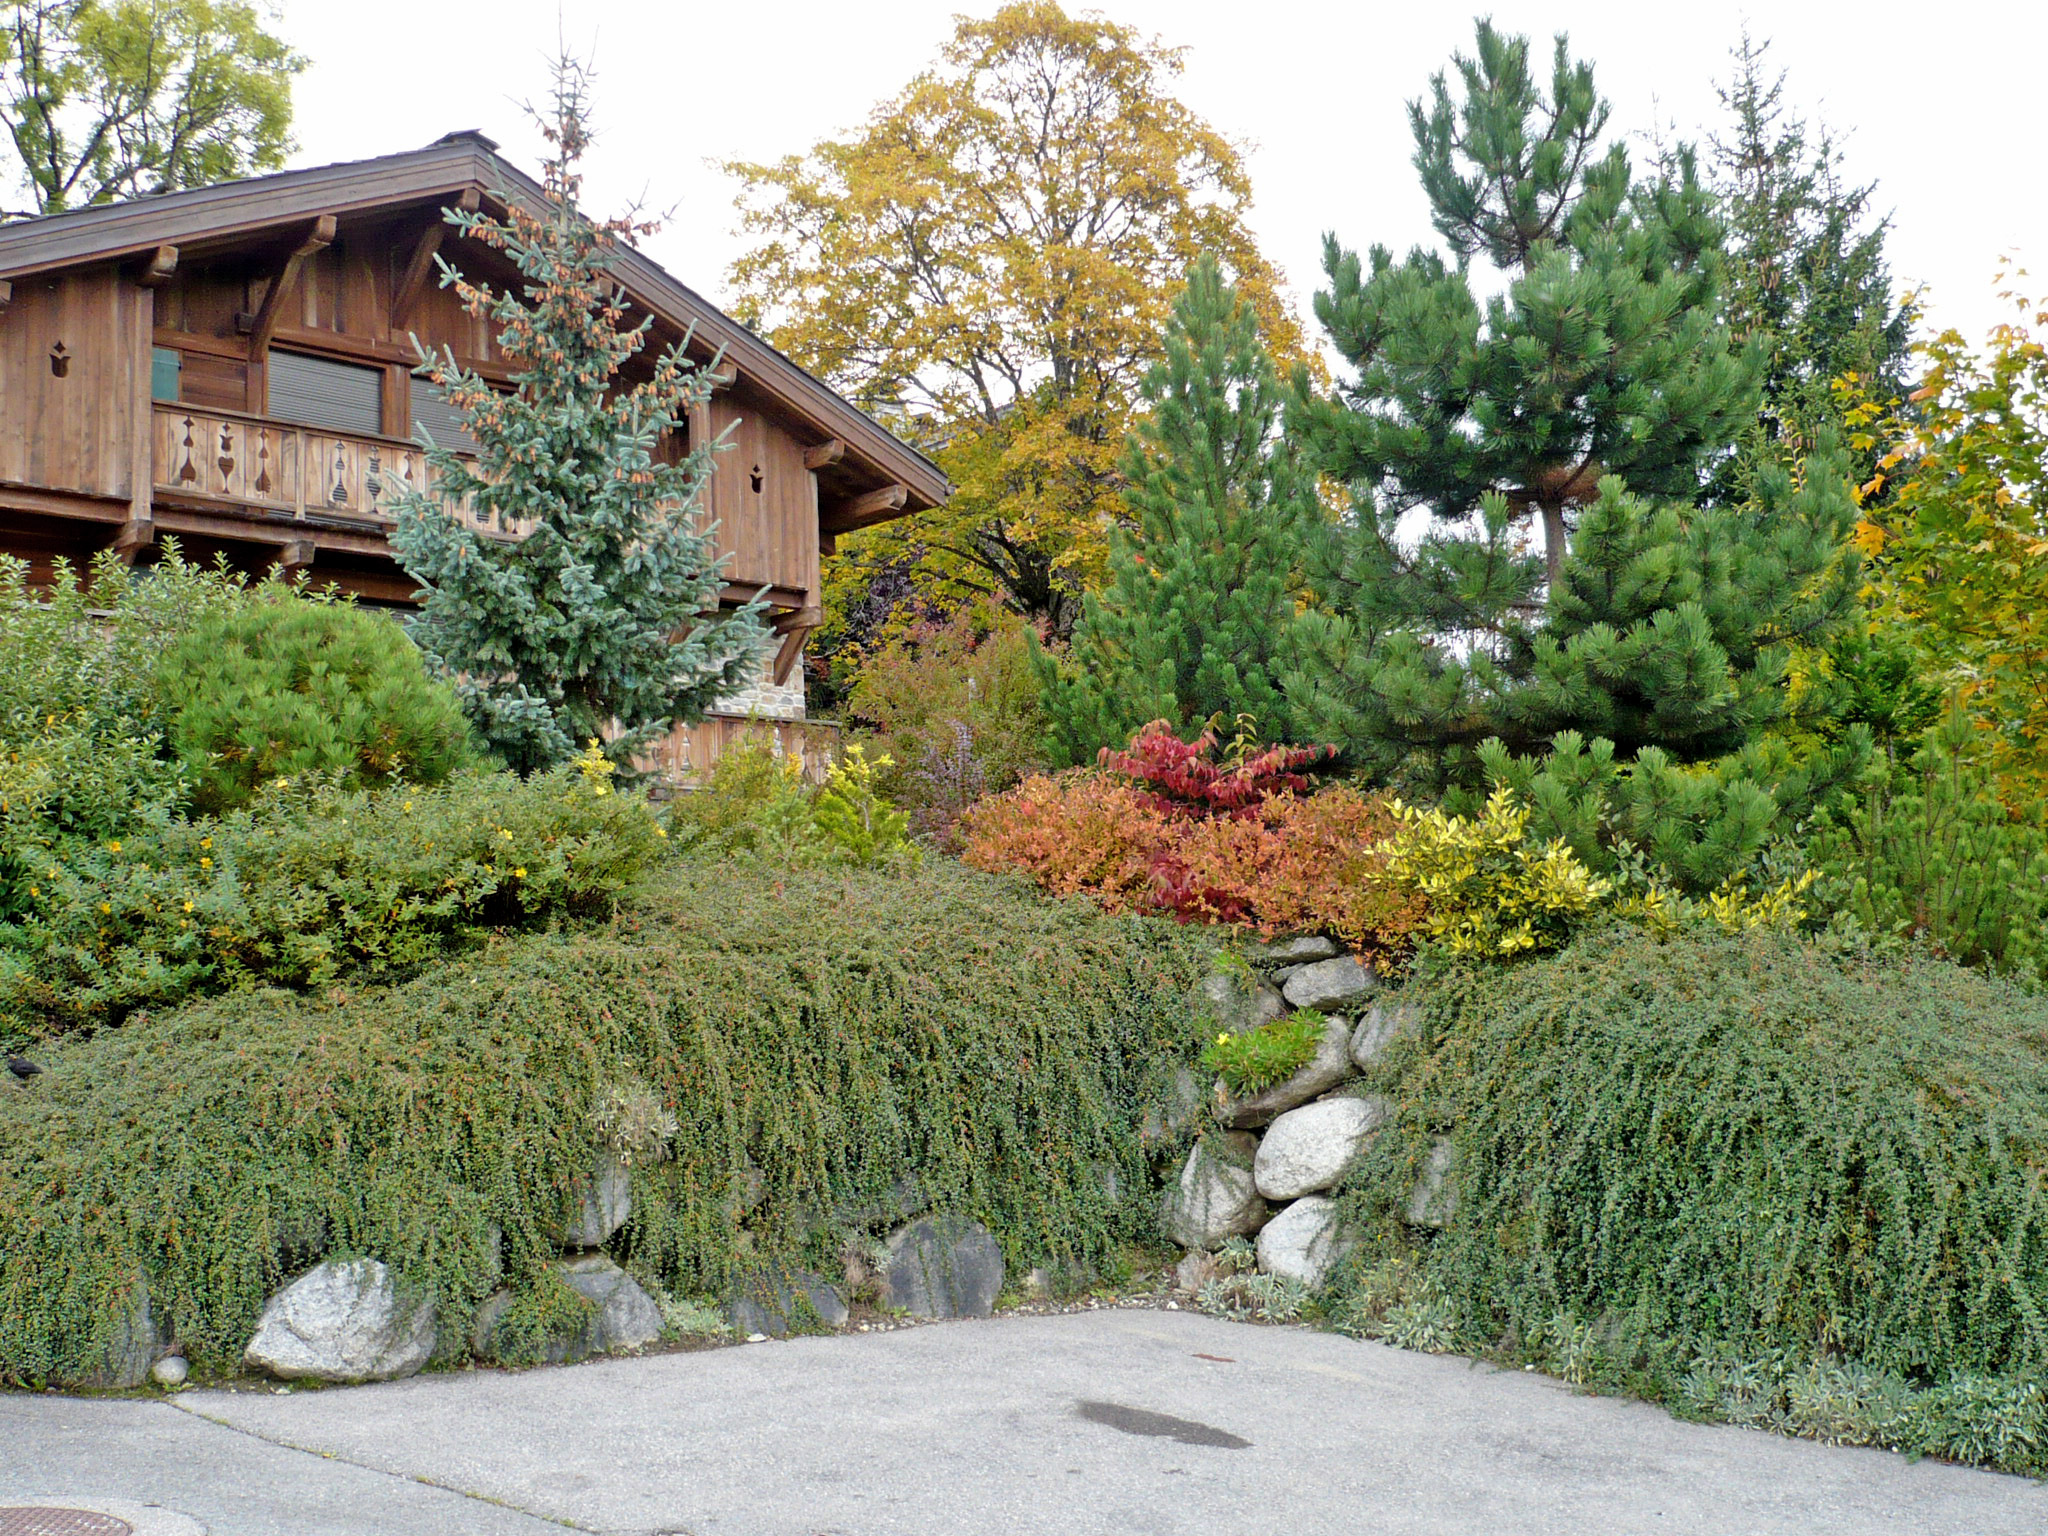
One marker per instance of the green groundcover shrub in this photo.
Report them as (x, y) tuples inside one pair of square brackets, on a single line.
[(816, 1036), (1737, 1174), (311, 883)]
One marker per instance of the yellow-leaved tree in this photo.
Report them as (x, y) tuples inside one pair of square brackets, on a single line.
[(988, 264), (1958, 542)]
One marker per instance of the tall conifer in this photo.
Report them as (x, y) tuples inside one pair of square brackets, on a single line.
[(1584, 399), (1202, 592), (604, 619)]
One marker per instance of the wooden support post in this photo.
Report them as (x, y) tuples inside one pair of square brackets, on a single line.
[(136, 535), (825, 455), (319, 235), (794, 628), (421, 267), (6, 294), (862, 510)]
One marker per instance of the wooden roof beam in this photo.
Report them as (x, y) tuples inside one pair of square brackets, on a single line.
[(157, 267), (421, 265), (318, 236), (825, 455), (874, 507)]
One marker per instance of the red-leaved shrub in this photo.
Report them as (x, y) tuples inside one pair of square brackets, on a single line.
[(1184, 780), (1289, 863)]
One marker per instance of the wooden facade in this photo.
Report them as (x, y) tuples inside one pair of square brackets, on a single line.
[(232, 365)]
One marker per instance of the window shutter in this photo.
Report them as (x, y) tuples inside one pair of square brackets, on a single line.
[(165, 364), (319, 392), (430, 409)]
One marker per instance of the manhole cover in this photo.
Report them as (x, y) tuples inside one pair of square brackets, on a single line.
[(47, 1520)]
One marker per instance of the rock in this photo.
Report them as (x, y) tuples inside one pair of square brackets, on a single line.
[(1237, 1003), (1327, 984), (1307, 1149), (1195, 1270), (599, 1205), (1214, 1198), (1295, 951), (943, 1266), (779, 1302), (132, 1344), (342, 1321), (1303, 1241), (1329, 1067), (170, 1371), (1383, 1024), (622, 1314), (1184, 1105), (1434, 1200)]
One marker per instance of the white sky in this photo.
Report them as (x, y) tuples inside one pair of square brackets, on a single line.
[(1940, 102)]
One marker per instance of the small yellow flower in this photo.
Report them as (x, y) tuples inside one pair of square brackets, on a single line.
[(1223, 1039), (35, 890), (188, 906), (114, 846), (106, 906), (520, 872), (206, 842), (408, 805), (505, 834), (205, 863), (661, 831)]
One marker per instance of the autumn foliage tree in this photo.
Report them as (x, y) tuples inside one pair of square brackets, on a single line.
[(988, 264), (1958, 541)]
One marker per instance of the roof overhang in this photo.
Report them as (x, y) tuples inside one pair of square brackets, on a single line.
[(232, 214)]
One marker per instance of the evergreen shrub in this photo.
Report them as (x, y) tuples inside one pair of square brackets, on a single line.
[(1253, 1060), (282, 685), (1690, 1162), (310, 883), (816, 1035), (1929, 852)]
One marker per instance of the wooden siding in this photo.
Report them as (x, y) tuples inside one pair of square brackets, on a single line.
[(763, 497), (685, 757), (74, 432)]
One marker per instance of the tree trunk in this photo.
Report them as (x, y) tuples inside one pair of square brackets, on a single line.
[(1553, 541)]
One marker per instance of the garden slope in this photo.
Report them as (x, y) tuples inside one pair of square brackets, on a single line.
[(1739, 1144), (837, 1032)]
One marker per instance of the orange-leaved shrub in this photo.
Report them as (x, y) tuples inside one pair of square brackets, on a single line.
[(1295, 863)]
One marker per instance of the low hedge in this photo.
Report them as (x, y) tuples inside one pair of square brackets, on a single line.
[(833, 1030), (1738, 1174)]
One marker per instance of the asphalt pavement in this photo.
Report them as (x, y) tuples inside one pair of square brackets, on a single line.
[(1137, 1423)]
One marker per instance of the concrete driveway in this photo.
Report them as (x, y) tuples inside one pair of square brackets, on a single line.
[(1102, 1422)]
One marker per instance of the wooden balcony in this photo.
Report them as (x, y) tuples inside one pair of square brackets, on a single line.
[(233, 461)]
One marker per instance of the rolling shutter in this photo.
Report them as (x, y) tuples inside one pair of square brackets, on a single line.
[(319, 392), (430, 409)]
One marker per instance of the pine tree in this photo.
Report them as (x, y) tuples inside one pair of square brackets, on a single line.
[(1590, 395), (604, 620), (1202, 592)]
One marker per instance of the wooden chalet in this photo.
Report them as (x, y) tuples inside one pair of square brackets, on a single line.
[(232, 365)]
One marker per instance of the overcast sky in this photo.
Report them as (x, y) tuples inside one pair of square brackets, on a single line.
[(1940, 103)]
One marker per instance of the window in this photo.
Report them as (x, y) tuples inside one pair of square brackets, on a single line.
[(165, 363), (430, 409), (319, 392)]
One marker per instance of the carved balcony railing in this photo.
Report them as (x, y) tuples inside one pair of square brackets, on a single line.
[(274, 467)]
